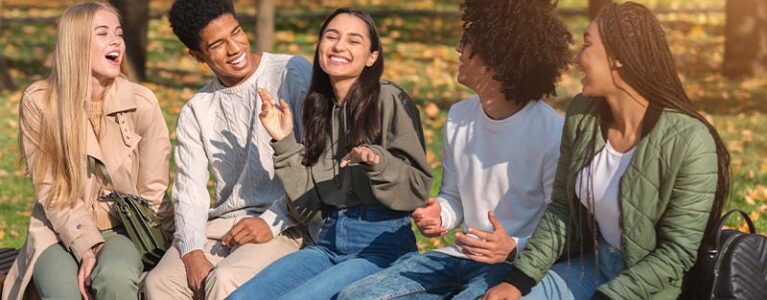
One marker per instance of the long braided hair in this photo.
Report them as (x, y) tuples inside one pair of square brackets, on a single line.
[(632, 35)]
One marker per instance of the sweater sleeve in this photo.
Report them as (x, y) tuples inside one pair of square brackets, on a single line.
[(303, 203), (190, 191), (154, 158), (73, 225), (295, 85), (680, 228), (449, 197), (549, 168), (402, 179), (547, 243)]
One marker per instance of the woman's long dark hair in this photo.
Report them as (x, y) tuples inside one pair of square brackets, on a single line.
[(633, 36), (361, 101)]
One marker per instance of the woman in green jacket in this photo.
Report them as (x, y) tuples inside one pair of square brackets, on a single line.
[(641, 174)]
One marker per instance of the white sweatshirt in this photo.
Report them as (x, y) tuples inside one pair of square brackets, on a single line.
[(219, 130), (507, 166)]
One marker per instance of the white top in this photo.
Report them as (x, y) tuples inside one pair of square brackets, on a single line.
[(219, 130), (507, 166), (604, 176)]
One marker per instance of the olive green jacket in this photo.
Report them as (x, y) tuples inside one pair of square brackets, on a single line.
[(666, 195), (400, 181)]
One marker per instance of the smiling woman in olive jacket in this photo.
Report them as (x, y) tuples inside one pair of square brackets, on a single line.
[(641, 174)]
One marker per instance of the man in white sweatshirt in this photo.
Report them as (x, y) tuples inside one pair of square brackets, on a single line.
[(222, 244), (500, 155)]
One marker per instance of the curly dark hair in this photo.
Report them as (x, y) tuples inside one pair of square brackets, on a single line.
[(523, 41), (189, 17)]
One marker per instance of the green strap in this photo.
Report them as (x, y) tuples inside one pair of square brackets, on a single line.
[(93, 164)]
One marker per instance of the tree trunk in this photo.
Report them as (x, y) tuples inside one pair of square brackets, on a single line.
[(265, 26), (745, 47), (6, 82), (135, 22), (595, 6)]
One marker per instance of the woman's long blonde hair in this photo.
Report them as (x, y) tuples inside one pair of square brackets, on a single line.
[(63, 126)]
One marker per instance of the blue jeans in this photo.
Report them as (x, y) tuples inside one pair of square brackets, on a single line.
[(433, 275), (353, 243), (578, 277)]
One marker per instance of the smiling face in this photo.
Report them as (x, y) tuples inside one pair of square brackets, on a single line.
[(224, 48), (599, 77), (345, 48), (107, 45)]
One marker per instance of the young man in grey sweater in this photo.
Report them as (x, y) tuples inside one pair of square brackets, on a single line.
[(222, 244)]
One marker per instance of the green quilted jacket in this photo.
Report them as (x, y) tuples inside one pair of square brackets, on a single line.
[(666, 195)]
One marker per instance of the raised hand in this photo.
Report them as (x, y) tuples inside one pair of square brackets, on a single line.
[(488, 247), (277, 119), (428, 219), (360, 154)]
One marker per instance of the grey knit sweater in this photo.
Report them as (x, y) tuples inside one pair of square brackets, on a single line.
[(219, 131)]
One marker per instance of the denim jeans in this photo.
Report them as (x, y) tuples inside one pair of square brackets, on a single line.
[(433, 275), (353, 243), (578, 277)]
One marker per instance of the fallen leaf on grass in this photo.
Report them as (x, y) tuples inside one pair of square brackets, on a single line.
[(431, 110)]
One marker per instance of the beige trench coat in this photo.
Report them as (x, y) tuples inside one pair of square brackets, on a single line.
[(135, 147)]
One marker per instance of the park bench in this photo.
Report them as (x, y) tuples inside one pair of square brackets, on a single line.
[(7, 255)]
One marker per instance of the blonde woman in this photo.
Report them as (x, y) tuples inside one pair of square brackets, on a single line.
[(76, 247)]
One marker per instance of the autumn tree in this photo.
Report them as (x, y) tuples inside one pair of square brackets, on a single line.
[(595, 6), (135, 22), (265, 25), (745, 48), (6, 83)]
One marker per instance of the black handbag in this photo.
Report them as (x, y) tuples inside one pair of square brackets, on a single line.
[(733, 267), (139, 220)]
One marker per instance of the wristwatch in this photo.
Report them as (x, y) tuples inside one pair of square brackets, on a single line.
[(512, 256)]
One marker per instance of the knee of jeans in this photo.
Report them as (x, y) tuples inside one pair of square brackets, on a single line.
[(237, 295), (351, 292)]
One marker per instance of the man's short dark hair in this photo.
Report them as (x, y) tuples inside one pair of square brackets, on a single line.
[(189, 17), (523, 41)]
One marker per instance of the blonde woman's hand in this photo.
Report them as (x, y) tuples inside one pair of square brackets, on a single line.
[(277, 119), (87, 263)]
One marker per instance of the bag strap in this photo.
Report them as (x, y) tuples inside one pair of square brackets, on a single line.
[(94, 166), (726, 217)]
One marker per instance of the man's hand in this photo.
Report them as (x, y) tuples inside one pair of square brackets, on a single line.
[(87, 263), (502, 291), (248, 230), (197, 269), (360, 154), (428, 219), (489, 247)]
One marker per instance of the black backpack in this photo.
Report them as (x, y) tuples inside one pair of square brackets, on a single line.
[(733, 267)]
